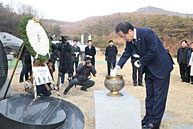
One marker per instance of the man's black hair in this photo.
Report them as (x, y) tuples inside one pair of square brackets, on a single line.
[(89, 41), (64, 39), (51, 38), (110, 41), (49, 60), (124, 27), (74, 40), (184, 41)]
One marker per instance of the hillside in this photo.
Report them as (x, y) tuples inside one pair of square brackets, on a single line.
[(158, 11), (171, 27)]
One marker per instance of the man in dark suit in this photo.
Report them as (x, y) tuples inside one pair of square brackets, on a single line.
[(110, 56), (157, 65), (183, 58), (90, 52), (75, 54)]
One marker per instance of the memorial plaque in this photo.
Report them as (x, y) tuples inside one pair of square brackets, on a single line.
[(3, 65)]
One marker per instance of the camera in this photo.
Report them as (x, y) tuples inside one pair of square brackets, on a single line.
[(87, 62)]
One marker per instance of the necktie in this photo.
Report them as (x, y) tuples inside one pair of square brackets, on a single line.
[(135, 44)]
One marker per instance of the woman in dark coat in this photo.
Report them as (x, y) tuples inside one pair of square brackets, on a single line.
[(66, 65)]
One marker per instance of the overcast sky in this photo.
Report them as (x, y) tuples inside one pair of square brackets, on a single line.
[(75, 10)]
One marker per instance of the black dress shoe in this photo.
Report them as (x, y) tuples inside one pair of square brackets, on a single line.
[(83, 89), (65, 92), (134, 84), (143, 122), (150, 126), (140, 84)]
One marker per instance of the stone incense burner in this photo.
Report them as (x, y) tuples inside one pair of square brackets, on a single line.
[(114, 84)]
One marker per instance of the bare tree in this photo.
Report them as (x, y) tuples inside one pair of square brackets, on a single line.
[(27, 10)]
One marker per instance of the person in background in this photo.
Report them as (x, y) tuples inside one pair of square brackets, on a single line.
[(191, 62), (183, 61), (82, 76), (44, 89), (57, 53), (26, 64), (136, 70), (53, 55), (110, 56), (66, 65), (90, 52), (75, 54)]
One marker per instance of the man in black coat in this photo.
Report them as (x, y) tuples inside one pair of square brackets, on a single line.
[(75, 54), (183, 61), (54, 56), (65, 60), (83, 76), (90, 52), (26, 61), (110, 56)]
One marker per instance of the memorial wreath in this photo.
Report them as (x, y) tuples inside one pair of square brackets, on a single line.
[(35, 38)]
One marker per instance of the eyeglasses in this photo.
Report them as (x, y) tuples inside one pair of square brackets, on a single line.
[(123, 37)]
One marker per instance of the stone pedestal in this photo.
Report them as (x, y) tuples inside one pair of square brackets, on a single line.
[(116, 112), (21, 111)]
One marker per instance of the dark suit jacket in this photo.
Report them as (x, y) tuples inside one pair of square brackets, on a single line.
[(152, 53), (90, 52), (75, 49), (110, 53), (183, 55)]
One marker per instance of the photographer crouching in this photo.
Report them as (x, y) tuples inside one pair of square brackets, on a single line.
[(82, 76)]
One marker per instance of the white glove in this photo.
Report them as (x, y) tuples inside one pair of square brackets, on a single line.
[(136, 56), (115, 71), (88, 56), (137, 64), (76, 54)]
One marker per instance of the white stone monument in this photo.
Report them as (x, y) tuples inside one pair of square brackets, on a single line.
[(116, 112)]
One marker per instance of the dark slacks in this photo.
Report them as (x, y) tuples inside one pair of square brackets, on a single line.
[(85, 84), (185, 72), (156, 96), (76, 64), (110, 65), (53, 65), (134, 74), (93, 62)]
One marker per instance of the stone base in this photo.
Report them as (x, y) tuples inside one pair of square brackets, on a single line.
[(20, 111), (116, 112)]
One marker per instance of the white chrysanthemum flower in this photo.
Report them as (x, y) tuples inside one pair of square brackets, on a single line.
[(37, 38)]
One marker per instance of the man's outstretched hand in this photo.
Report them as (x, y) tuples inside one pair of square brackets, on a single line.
[(115, 71)]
